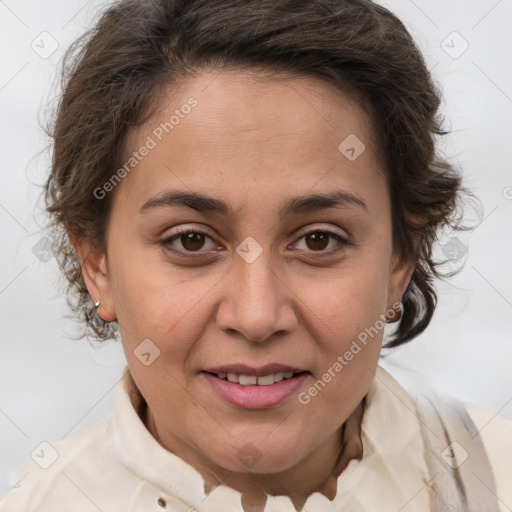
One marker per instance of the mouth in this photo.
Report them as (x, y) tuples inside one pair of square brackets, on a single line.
[(254, 380), (255, 388)]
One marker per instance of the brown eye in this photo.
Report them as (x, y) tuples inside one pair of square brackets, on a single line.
[(189, 241), (192, 241), (320, 242), (317, 241)]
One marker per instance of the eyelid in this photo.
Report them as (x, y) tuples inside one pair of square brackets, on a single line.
[(343, 243), (166, 242), (327, 228), (342, 239), (186, 229)]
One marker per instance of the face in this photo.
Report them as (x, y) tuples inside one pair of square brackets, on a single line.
[(246, 241)]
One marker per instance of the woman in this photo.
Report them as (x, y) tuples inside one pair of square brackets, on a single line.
[(249, 191)]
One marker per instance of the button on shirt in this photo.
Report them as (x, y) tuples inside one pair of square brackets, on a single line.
[(116, 465)]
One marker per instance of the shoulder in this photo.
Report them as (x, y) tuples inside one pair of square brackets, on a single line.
[(470, 439), (495, 432), (48, 480)]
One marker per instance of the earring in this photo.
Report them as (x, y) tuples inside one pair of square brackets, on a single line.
[(393, 319), (96, 304)]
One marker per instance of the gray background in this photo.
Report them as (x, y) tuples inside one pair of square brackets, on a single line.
[(51, 386)]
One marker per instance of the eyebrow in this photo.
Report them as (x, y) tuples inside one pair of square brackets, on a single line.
[(294, 206)]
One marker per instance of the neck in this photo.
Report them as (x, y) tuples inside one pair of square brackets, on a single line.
[(318, 472)]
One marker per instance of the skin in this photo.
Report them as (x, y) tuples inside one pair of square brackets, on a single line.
[(254, 141)]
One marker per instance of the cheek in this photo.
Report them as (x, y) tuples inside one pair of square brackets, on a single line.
[(350, 300), (156, 301), (348, 315), (349, 339)]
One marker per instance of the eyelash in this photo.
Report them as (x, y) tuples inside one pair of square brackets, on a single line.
[(343, 243)]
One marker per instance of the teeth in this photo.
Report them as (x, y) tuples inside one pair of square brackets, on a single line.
[(251, 380), (246, 380), (266, 380)]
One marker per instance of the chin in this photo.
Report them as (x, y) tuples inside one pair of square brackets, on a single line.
[(258, 457)]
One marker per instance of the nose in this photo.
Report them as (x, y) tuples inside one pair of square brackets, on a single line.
[(257, 303)]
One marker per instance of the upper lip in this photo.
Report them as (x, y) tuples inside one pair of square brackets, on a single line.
[(259, 371)]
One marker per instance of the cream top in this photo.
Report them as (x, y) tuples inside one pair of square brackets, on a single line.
[(116, 465)]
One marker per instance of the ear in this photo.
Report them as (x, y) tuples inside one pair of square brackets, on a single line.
[(95, 272), (400, 275)]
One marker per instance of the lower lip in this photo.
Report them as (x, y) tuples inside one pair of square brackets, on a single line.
[(255, 396)]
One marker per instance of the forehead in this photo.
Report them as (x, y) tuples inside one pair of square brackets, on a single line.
[(232, 130), (238, 102)]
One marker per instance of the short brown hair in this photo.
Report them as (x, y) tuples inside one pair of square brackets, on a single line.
[(113, 75)]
